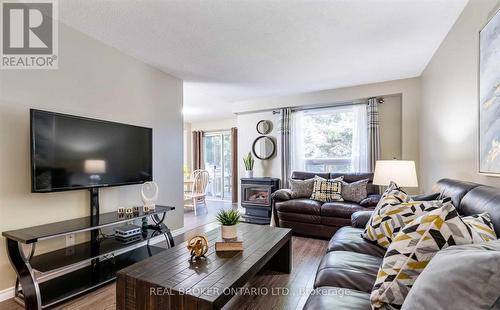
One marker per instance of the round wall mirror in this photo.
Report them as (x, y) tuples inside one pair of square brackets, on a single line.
[(263, 147), (264, 127)]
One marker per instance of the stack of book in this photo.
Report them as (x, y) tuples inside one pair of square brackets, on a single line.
[(224, 245)]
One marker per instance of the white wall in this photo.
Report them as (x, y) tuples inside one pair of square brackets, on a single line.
[(93, 80), (449, 127), (401, 107)]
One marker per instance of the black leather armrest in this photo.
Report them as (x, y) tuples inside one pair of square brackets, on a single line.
[(360, 218), (426, 197), (370, 201), (282, 194)]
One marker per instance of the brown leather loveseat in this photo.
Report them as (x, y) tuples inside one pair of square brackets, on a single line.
[(316, 219)]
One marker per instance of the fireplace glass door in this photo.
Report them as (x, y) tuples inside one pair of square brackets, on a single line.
[(257, 195)]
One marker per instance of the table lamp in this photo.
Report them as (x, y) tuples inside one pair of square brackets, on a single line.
[(402, 172)]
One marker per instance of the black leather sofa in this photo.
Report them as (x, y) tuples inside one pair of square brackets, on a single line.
[(348, 270), (316, 219)]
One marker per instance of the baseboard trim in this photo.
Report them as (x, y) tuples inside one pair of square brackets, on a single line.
[(8, 293)]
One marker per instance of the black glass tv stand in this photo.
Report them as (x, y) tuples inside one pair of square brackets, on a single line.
[(50, 278)]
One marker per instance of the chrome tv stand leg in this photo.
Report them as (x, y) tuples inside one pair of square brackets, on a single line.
[(161, 228), (25, 275)]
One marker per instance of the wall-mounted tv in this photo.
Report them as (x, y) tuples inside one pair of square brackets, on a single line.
[(71, 152)]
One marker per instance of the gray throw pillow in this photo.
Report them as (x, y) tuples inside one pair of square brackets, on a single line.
[(355, 191), (301, 188), (459, 277)]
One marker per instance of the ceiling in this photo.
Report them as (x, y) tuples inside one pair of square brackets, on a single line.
[(228, 51)]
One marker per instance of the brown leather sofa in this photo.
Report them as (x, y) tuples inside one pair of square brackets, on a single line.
[(316, 219), (348, 270)]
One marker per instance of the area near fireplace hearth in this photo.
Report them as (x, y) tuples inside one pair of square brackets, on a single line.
[(256, 199)]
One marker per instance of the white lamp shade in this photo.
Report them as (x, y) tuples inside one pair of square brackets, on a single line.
[(402, 172), (94, 166)]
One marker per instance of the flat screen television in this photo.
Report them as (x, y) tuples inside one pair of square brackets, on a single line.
[(71, 152)]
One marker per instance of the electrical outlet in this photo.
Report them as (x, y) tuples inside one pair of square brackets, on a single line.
[(70, 240), (70, 251)]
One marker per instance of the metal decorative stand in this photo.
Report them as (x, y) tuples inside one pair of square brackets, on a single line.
[(50, 278)]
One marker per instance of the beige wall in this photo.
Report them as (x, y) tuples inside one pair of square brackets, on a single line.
[(401, 107), (390, 128), (188, 146), (93, 80), (214, 125), (449, 127), (247, 133)]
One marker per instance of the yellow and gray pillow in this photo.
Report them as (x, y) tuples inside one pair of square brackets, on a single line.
[(392, 218), (482, 229), (390, 200), (412, 249)]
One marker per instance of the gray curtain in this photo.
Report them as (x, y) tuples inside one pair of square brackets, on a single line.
[(234, 164), (285, 146), (198, 162), (373, 134)]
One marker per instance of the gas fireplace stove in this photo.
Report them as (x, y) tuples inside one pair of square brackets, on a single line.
[(256, 199)]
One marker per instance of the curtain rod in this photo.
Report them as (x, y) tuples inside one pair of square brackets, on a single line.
[(325, 106), (380, 100), (214, 131), (321, 106)]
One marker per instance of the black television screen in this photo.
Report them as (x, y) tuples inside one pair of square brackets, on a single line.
[(71, 152)]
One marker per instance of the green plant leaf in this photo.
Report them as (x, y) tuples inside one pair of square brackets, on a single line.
[(248, 161), (229, 217)]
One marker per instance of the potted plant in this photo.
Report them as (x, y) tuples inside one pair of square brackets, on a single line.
[(249, 161), (228, 220), (186, 171)]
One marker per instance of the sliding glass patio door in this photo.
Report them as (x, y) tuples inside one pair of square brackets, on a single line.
[(217, 155)]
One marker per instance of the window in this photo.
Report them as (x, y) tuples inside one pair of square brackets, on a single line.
[(217, 156), (330, 139)]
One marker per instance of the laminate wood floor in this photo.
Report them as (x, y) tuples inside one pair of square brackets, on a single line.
[(267, 290)]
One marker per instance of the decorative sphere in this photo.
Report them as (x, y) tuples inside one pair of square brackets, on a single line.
[(198, 246), (149, 194)]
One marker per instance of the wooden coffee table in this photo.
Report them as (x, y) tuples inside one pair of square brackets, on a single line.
[(169, 280)]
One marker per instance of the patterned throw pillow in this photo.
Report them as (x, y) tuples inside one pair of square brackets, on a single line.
[(355, 191), (301, 188), (481, 227), (392, 197), (392, 218), (412, 249), (327, 190)]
